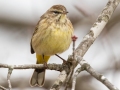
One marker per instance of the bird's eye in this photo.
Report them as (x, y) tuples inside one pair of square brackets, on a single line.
[(56, 12)]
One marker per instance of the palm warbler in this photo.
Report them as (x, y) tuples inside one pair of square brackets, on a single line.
[(52, 35)]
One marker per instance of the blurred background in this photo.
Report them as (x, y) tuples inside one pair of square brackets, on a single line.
[(17, 22)]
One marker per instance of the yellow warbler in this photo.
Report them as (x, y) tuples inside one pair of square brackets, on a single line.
[(52, 35)]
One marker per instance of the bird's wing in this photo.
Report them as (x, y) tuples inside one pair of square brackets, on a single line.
[(36, 29)]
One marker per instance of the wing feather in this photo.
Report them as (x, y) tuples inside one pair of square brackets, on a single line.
[(36, 29)]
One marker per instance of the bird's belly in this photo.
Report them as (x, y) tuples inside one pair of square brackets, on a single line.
[(55, 42)]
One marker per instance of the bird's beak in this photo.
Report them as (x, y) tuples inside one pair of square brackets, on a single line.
[(65, 12)]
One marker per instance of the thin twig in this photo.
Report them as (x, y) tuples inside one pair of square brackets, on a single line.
[(97, 28), (97, 75), (69, 78), (8, 77), (75, 77), (88, 40), (61, 78), (61, 58), (74, 38), (2, 88)]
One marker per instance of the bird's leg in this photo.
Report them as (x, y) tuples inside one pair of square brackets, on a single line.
[(64, 61), (45, 63)]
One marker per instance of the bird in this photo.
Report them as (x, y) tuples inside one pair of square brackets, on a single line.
[(52, 35)]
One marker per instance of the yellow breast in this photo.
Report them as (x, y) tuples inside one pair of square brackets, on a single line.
[(53, 39)]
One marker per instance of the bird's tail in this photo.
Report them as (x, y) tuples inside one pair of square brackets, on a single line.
[(38, 77)]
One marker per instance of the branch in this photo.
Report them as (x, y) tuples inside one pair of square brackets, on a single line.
[(97, 75), (96, 29), (57, 67), (8, 77), (75, 77), (78, 53), (2, 88), (61, 78)]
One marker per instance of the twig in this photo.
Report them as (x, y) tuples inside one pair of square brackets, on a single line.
[(75, 77), (61, 58), (62, 77), (57, 67), (97, 75), (97, 27), (69, 78), (59, 81), (81, 50), (53, 66), (2, 88), (74, 38), (8, 77)]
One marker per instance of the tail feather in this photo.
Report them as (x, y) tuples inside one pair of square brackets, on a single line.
[(41, 78), (38, 78)]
